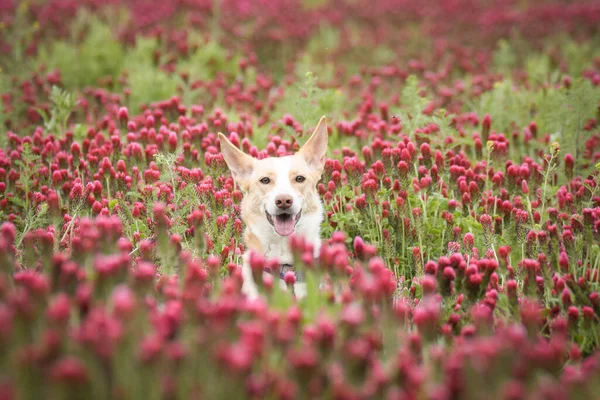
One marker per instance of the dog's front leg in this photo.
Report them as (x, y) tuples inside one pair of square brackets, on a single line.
[(249, 287), (300, 290)]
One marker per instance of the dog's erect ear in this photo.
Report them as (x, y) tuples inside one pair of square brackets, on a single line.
[(240, 164), (315, 149)]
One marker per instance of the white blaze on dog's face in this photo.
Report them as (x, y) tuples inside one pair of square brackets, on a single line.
[(279, 190)]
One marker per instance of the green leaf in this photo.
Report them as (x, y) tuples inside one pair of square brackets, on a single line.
[(112, 204), (17, 201)]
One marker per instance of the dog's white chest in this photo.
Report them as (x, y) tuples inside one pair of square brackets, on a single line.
[(279, 249)]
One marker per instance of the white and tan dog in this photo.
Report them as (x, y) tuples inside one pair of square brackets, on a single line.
[(280, 199)]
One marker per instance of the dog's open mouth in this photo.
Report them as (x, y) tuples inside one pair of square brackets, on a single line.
[(285, 223)]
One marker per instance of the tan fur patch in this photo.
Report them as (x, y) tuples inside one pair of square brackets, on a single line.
[(251, 208), (252, 242)]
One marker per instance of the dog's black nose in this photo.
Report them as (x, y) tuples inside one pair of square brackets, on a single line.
[(284, 201)]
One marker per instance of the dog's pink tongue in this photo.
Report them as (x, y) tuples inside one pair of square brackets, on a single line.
[(284, 227)]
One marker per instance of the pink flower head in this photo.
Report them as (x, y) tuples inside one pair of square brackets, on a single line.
[(123, 300), (70, 371)]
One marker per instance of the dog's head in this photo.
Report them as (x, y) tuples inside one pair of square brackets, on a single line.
[(282, 189)]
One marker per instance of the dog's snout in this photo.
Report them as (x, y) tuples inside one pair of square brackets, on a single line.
[(284, 201)]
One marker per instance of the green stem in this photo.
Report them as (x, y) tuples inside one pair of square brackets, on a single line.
[(108, 187), (546, 175)]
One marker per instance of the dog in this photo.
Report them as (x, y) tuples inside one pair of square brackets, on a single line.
[(280, 198)]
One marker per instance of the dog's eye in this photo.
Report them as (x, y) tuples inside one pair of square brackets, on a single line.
[(265, 181), (300, 179)]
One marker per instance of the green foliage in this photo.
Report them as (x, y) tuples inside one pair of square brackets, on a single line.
[(539, 70), (131, 224), (411, 113), (4, 87), (505, 58), (166, 162), (314, 4), (145, 78), (307, 102), (63, 104), (149, 85), (383, 55), (506, 105), (557, 110), (18, 35), (35, 218), (185, 199), (443, 119), (83, 63), (209, 60), (326, 39), (551, 166), (316, 64), (100, 55), (514, 52), (578, 55), (27, 169), (563, 112)]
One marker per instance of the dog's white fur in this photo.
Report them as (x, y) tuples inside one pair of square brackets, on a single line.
[(259, 199)]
